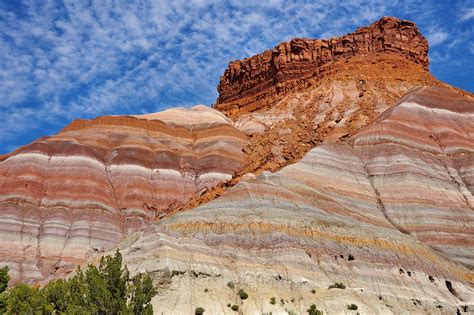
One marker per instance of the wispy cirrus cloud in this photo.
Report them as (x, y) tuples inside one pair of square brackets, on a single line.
[(61, 60), (436, 36), (467, 14)]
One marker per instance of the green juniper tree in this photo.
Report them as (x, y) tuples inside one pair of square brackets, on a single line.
[(105, 289), (4, 278), (115, 280), (141, 293), (57, 293), (24, 299)]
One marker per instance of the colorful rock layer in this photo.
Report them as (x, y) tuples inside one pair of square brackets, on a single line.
[(266, 78), (388, 214), (82, 190)]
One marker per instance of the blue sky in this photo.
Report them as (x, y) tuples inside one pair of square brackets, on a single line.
[(62, 60)]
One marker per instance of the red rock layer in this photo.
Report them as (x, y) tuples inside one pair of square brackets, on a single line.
[(349, 97), (388, 213), (84, 189), (420, 159), (265, 78)]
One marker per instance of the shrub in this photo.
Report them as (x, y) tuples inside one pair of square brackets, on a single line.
[(243, 295), (272, 301), (231, 285), (337, 285), (54, 293), (313, 310), (105, 289), (206, 290), (23, 299), (199, 311), (352, 307), (313, 291), (141, 293), (228, 305), (3, 303), (235, 307), (4, 278)]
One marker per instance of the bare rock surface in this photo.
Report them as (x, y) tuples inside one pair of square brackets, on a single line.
[(78, 193), (387, 213), (266, 78)]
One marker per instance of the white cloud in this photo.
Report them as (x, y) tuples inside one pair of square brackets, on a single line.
[(470, 47), (440, 57), (436, 37), (88, 56), (467, 14)]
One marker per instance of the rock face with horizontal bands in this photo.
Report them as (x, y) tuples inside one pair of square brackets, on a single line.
[(266, 78), (419, 158), (82, 190), (388, 213)]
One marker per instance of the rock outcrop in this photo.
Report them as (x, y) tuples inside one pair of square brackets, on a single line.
[(388, 213), (83, 190), (328, 112), (266, 78)]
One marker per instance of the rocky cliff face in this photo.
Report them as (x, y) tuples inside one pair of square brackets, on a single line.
[(264, 79), (389, 214), (82, 191)]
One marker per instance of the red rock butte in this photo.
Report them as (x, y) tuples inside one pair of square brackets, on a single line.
[(264, 79)]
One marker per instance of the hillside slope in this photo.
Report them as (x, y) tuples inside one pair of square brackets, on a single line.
[(388, 213), (78, 193)]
